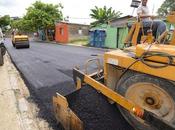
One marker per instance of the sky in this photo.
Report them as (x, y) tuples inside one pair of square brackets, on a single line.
[(77, 10)]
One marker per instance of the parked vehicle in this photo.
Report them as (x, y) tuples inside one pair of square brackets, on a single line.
[(2, 48)]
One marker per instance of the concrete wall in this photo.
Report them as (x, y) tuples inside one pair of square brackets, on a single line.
[(78, 31), (114, 35), (119, 23), (111, 37), (71, 32)]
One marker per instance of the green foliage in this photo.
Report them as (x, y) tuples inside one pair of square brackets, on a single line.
[(22, 25), (166, 7), (39, 16), (80, 41), (42, 16), (4, 20), (103, 15)]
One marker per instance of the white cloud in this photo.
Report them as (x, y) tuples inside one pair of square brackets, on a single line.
[(74, 8), (7, 2)]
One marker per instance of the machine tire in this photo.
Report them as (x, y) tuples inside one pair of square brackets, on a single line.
[(3, 49), (28, 46), (13, 44), (130, 78), (1, 58), (16, 47)]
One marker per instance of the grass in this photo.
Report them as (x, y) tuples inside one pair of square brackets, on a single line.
[(82, 42)]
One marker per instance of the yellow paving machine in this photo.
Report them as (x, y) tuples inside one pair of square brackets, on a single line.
[(139, 79)]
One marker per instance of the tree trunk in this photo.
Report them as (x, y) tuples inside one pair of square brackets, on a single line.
[(47, 39)]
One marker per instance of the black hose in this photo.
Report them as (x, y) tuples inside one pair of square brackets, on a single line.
[(144, 59)]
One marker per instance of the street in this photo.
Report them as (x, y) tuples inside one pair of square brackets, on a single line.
[(87, 65), (47, 69)]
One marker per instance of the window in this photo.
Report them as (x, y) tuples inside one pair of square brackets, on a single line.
[(61, 31), (80, 31)]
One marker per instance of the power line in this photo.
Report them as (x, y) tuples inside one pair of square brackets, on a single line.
[(77, 18)]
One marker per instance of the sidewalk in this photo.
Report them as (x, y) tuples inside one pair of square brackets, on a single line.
[(16, 113), (71, 44)]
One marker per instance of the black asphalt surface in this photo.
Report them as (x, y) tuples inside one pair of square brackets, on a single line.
[(47, 69)]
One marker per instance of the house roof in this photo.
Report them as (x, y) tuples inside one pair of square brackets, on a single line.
[(120, 22), (120, 18), (72, 23)]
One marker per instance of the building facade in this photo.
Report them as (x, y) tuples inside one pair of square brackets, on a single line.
[(66, 32)]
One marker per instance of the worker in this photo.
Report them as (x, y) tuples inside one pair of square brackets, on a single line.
[(158, 27)]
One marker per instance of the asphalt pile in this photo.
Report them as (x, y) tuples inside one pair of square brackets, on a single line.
[(95, 111)]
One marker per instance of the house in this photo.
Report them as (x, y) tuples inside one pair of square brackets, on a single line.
[(121, 31), (115, 32), (15, 18), (66, 32)]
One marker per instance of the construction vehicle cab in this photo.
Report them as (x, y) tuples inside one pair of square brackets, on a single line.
[(20, 40), (140, 80)]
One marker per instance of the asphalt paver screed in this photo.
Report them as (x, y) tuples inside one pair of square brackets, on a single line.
[(95, 111)]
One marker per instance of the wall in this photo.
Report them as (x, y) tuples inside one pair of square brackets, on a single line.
[(115, 36), (61, 33), (78, 31), (119, 22), (122, 32), (111, 37)]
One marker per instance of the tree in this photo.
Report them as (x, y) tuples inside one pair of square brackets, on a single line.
[(22, 25), (42, 16), (103, 15), (166, 7), (4, 21)]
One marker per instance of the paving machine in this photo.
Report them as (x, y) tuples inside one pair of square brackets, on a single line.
[(140, 80), (20, 40)]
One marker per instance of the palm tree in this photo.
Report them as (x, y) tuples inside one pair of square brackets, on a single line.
[(103, 15), (166, 7)]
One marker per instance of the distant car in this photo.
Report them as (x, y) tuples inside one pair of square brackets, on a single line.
[(20, 41), (2, 48)]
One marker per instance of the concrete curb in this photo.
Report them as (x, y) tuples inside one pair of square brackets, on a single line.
[(17, 112), (71, 44), (27, 120)]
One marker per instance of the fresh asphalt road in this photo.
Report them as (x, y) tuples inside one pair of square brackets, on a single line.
[(47, 68)]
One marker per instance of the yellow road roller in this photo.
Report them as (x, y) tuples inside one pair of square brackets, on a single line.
[(20, 41)]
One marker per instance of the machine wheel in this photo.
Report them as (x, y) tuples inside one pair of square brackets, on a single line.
[(28, 46), (151, 93), (16, 46), (1, 58), (13, 44), (3, 49)]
